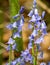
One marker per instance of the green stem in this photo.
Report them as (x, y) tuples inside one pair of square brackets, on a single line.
[(17, 63), (33, 55), (10, 54)]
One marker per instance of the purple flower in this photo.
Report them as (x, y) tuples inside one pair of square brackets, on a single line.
[(44, 32), (21, 10), (23, 53), (35, 32), (33, 19), (34, 3), (19, 29), (40, 55), (43, 25), (11, 41), (14, 25), (17, 34), (28, 58), (22, 21), (38, 24), (31, 13), (30, 26), (18, 23), (38, 18), (36, 11), (30, 45), (9, 26), (43, 14), (14, 62), (16, 16), (31, 37), (39, 40), (38, 47), (43, 63)]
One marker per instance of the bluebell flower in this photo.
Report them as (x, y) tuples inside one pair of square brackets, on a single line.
[(22, 21), (43, 14), (38, 47), (36, 12), (39, 40), (43, 25), (19, 60), (30, 13), (14, 25), (13, 47), (23, 53), (21, 10), (16, 34), (19, 29), (44, 32), (11, 41), (16, 16), (35, 32), (38, 18), (18, 23), (30, 45), (28, 58), (34, 3), (9, 26), (31, 37), (43, 63), (30, 26), (38, 24), (40, 55), (14, 62), (33, 19)]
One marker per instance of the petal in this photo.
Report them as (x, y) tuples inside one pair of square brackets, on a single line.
[(34, 33), (11, 41), (16, 16), (30, 26), (43, 25), (14, 25), (39, 40), (30, 13), (36, 11), (9, 26), (15, 35), (33, 19), (43, 14), (21, 10)]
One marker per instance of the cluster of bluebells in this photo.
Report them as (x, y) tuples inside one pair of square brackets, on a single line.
[(39, 28), (17, 25)]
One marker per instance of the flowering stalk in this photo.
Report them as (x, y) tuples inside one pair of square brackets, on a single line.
[(14, 8), (39, 26)]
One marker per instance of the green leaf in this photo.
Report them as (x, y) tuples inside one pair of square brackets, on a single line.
[(14, 7), (19, 44)]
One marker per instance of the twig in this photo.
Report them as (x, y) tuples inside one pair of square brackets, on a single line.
[(44, 6)]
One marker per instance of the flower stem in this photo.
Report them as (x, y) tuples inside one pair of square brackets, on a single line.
[(33, 55), (10, 54)]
